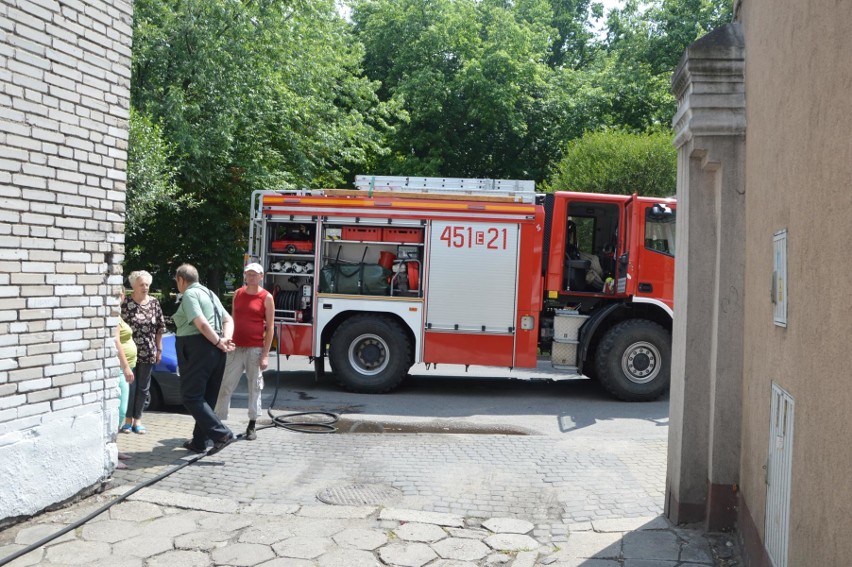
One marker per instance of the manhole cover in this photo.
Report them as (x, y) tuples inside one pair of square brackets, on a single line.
[(359, 495)]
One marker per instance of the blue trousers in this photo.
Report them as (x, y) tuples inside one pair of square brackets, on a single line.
[(201, 367)]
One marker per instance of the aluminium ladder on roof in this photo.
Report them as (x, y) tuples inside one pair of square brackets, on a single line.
[(519, 190)]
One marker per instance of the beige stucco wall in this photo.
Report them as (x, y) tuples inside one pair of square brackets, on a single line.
[(799, 177)]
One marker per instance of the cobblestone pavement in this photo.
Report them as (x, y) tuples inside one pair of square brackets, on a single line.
[(418, 499)]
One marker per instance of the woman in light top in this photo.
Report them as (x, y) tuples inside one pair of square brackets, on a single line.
[(126, 349)]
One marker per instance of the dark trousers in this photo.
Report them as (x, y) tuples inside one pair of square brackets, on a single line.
[(139, 389), (201, 367)]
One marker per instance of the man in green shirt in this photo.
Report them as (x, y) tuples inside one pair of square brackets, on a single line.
[(202, 339)]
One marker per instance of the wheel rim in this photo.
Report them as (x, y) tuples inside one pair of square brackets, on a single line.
[(641, 362), (368, 354)]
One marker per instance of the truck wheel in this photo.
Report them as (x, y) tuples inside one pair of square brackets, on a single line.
[(370, 354), (633, 361)]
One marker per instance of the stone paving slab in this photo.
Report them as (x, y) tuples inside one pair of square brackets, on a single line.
[(340, 512), (421, 517), (461, 549), (508, 526), (426, 533), (657, 546), (187, 501), (547, 481), (525, 559), (526, 502), (631, 524), (359, 538)]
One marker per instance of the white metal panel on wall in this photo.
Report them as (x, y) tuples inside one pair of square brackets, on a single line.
[(779, 476), (779, 278), (473, 273)]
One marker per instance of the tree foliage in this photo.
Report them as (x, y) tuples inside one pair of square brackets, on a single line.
[(495, 88), (231, 96), (657, 33), (250, 95), (618, 162), (150, 174), (472, 77)]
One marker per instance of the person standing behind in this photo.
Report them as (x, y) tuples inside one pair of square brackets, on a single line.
[(254, 315), (202, 338), (145, 316), (126, 350)]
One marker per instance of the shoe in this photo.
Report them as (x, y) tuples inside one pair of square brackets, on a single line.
[(124, 457), (139, 429), (120, 466), (126, 428), (251, 434), (219, 445), (192, 448)]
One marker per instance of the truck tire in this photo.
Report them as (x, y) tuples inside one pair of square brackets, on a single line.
[(633, 360), (370, 354)]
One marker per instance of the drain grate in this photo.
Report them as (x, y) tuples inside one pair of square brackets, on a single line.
[(360, 495)]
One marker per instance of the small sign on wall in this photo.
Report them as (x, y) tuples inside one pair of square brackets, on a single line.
[(779, 278)]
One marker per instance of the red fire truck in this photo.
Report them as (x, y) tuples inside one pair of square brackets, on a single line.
[(471, 271)]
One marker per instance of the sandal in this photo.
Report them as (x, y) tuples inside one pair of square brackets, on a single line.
[(139, 429), (219, 445), (190, 447), (126, 428)]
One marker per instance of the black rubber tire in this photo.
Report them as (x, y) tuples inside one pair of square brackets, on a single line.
[(370, 354), (633, 360), (154, 399)]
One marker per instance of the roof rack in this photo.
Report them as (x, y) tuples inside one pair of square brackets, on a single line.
[(518, 190)]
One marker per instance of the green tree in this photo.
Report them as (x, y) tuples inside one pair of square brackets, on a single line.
[(573, 45), (658, 32), (472, 76), (644, 43), (250, 95), (618, 162), (150, 175)]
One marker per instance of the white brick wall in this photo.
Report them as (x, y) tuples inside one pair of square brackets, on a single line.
[(64, 90)]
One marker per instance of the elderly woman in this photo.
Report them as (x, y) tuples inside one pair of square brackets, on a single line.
[(145, 316)]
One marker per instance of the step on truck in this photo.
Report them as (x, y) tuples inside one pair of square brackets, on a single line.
[(407, 270)]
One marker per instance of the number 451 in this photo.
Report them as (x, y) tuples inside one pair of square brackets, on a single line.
[(465, 237)]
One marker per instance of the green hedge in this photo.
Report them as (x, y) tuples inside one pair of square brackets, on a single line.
[(618, 162)]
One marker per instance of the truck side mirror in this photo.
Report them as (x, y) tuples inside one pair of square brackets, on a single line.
[(660, 212)]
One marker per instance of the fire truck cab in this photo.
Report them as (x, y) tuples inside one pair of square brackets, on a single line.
[(471, 271)]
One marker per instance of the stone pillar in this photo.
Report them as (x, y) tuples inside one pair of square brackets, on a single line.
[(707, 357)]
